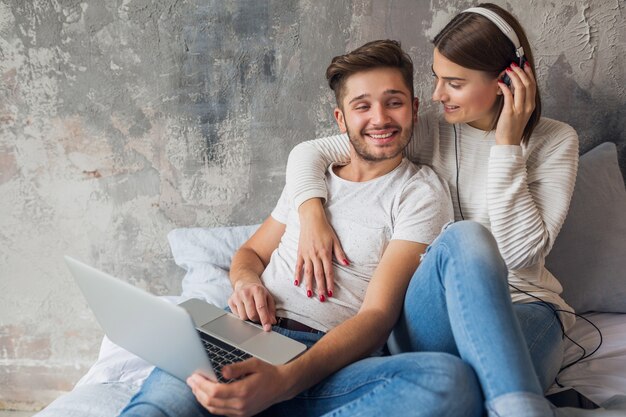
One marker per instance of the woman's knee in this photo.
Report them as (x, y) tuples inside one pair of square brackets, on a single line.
[(474, 246)]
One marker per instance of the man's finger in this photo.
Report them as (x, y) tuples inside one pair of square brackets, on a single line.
[(271, 308), (215, 397), (240, 369), (260, 300), (241, 309), (233, 306)]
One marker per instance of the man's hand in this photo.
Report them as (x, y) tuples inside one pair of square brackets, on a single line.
[(261, 386), (318, 242), (252, 301)]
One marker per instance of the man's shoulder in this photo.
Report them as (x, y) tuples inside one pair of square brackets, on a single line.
[(421, 175)]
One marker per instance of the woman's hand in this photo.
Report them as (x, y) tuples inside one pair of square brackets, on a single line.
[(318, 242), (519, 104)]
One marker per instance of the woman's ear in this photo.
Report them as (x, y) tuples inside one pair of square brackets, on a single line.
[(341, 122)]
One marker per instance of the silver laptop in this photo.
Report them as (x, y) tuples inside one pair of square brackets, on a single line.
[(192, 337)]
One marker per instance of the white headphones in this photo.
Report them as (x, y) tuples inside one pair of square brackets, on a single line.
[(501, 24)]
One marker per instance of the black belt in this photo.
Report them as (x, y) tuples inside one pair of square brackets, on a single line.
[(290, 324)]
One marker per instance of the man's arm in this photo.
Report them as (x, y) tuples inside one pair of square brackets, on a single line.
[(265, 384), (360, 335), (250, 299)]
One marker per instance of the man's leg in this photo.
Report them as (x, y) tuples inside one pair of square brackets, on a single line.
[(163, 395), (426, 384), (458, 302)]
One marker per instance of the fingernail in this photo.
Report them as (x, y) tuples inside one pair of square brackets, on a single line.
[(513, 64), (309, 293), (267, 327), (330, 293), (296, 283), (526, 64), (322, 298), (508, 69), (345, 262)]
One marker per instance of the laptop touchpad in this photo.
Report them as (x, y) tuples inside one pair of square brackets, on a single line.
[(231, 328)]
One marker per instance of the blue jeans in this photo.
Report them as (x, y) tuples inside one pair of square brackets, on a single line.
[(416, 384), (458, 302)]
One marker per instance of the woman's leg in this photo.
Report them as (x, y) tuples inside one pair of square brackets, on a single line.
[(458, 302), (544, 339)]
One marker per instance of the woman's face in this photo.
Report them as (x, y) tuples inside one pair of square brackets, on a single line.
[(468, 96)]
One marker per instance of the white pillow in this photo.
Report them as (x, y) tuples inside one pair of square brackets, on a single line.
[(205, 253)]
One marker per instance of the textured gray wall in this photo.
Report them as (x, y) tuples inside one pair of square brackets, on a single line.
[(120, 120)]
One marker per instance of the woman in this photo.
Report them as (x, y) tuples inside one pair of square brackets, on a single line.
[(509, 171)]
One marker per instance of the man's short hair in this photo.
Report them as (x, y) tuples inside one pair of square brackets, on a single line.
[(376, 54)]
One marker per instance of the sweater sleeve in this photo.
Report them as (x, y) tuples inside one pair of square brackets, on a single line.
[(527, 206), (307, 164)]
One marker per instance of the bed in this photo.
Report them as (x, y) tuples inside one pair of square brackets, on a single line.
[(588, 257)]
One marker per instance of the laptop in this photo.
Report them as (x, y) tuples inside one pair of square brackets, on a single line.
[(193, 336)]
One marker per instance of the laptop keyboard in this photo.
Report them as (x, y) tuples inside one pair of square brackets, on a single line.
[(222, 354)]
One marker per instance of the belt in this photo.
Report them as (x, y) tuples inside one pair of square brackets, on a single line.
[(290, 324)]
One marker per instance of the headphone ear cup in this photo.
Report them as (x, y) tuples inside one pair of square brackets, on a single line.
[(506, 80)]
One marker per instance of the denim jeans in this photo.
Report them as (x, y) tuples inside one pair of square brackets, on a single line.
[(416, 384), (458, 302)]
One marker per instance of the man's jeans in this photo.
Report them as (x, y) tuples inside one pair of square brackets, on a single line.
[(458, 302), (408, 384)]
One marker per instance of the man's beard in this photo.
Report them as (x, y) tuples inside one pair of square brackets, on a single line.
[(360, 145)]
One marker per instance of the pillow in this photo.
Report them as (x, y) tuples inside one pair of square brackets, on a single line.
[(589, 255), (205, 253)]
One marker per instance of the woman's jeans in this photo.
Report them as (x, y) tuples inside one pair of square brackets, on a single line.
[(458, 302), (407, 384)]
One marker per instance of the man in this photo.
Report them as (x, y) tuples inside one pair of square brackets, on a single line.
[(386, 211)]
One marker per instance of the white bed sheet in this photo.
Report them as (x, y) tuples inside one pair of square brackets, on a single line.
[(602, 376)]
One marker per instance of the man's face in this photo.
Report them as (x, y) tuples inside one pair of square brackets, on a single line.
[(377, 111)]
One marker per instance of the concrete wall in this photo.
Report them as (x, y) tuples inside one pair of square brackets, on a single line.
[(120, 120)]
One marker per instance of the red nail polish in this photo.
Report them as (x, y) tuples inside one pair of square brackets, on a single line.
[(296, 283), (322, 298), (330, 293), (513, 64), (345, 262), (309, 293)]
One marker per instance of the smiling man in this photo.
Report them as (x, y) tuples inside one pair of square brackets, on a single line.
[(386, 211)]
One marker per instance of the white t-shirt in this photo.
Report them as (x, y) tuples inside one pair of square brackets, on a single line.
[(409, 203)]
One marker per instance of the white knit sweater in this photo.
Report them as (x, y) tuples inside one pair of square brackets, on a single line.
[(520, 193)]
